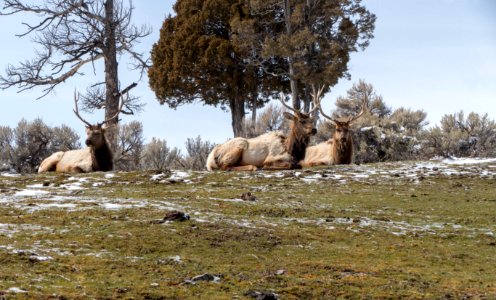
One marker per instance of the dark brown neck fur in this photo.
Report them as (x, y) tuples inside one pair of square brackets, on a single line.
[(342, 153), (296, 145), (102, 158)]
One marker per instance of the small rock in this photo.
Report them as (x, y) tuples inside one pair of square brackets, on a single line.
[(248, 197), (173, 216), (204, 277), (262, 295), (280, 272)]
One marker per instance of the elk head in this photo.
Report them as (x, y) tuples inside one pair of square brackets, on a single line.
[(95, 134), (301, 128), (302, 123), (342, 136)]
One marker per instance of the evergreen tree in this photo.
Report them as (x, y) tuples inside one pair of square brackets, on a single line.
[(310, 41), (196, 59)]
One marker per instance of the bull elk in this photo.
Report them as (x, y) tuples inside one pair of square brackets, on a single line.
[(96, 157), (269, 151), (339, 148)]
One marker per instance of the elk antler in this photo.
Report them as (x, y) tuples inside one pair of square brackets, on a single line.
[(76, 109), (295, 110), (364, 109), (122, 101), (351, 118), (316, 95), (287, 106)]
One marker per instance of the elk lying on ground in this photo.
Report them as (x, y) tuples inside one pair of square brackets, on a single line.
[(96, 157), (269, 151), (339, 148)]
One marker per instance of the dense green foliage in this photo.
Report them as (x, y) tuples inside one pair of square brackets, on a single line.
[(241, 53), (195, 59)]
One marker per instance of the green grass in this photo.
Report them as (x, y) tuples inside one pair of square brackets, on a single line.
[(384, 236)]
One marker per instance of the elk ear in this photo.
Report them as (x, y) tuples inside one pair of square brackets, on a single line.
[(289, 116)]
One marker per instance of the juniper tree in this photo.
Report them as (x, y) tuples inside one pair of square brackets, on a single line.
[(197, 59), (310, 40)]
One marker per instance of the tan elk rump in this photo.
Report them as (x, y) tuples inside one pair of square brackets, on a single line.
[(96, 157), (269, 151), (338, 149)]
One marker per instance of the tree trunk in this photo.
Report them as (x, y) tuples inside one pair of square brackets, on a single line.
[(237, 115), (306, 100), (294, 86), (293, 83), (254, 109), (111, 76)]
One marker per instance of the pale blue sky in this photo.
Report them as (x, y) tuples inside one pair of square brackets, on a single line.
[(435, 55)]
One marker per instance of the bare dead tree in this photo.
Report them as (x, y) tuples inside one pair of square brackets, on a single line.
[(72, 34)]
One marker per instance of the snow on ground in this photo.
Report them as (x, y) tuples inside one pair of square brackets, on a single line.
[(174, 176), (16, 290), (35, 196), (413, 171), (64, 195), (30, 193), (9, 174), (468, 161)]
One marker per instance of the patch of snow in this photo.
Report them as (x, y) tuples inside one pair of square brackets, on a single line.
[(114, 206), (109, 175), (177, 175), (16, 290), (53, 205), (118, 206), (35, 186), (361, 176), (157, 177), (278, 174), (10, 174), (40, 258), (176, 259), (312, 178), (467, 161), (226, 200), (73, 186), (30, 193)]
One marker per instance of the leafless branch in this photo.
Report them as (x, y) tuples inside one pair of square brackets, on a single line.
[(71, 34)]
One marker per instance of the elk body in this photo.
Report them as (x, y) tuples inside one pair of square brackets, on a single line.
[(269, 151), (338, 150), (96, 157)]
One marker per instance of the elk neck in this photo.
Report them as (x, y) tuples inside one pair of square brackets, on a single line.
[(342, 151), (296, 144), (102, 158)]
